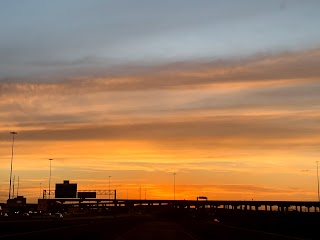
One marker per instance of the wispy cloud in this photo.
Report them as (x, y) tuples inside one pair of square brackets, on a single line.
[(257, 69), (267, 84)]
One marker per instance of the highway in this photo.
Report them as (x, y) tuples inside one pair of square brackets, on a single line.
[(135, 228), (157, 230)]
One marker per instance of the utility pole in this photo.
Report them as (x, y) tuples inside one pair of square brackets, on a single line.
[(12, 133)]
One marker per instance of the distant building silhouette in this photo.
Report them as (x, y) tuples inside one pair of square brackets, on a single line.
[(17, 202)]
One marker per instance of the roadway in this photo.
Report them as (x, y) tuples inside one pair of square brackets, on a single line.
[(157, 230), (139, 227)]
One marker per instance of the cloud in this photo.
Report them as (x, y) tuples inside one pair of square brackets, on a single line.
[(286, 82), (36, 41), (266, 101), (236, 131), (259, 68)]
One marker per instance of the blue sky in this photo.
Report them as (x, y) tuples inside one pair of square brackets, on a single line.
[(40, 37)]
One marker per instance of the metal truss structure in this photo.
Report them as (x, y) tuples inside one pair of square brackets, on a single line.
[(111, 193)]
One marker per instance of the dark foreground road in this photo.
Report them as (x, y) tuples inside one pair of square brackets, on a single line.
[(135, 228), (157, 230)]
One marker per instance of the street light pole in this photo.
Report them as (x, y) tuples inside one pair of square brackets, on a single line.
[(40, 192), (109, 187), (18, 186), (14, 179), (13, 133), (50, 159), (318, 179), (174, 186)]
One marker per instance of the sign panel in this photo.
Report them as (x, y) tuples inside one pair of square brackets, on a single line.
[(66, 190), (87, 194)]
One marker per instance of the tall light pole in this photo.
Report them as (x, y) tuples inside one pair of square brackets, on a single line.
[(174, 186), (318, 179), (40, 191), (18, 186), (109, 187), (13, 133), (14, 179), (50, 159)]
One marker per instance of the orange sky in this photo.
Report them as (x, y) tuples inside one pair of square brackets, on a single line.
[(240, 129)]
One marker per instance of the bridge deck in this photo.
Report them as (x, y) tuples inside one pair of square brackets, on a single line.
[(300, 206)]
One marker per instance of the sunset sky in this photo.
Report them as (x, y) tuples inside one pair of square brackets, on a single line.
[(226, 94)]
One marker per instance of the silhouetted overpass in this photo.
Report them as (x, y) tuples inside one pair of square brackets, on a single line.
[(281, 206)]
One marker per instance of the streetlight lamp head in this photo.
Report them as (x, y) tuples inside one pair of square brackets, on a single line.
[(13, 133)]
